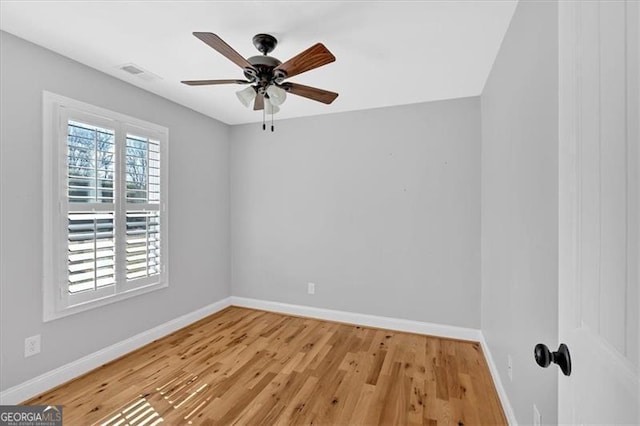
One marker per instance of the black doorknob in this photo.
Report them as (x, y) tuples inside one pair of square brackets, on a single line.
[(561, 357)]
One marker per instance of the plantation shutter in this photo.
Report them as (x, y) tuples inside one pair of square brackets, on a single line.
[(113, 208), (91, 239), (142, 207), (91, 252)]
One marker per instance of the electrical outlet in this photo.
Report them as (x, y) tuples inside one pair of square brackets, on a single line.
[(31, 345), (537, 419), (311, 288), (510, 367)]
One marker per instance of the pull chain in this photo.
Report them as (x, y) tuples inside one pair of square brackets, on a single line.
[(264, 126), (272, 120)]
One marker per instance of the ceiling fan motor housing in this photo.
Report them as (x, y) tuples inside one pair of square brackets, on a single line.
[(263, 65), (262, 71)]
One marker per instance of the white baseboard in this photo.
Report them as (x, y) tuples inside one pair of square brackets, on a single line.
[(399, 324), (53, 378), (60, 375), (502, 394)]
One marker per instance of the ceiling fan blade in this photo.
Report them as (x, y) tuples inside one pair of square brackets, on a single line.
[(314, 57), (223, 48), (320, 95), (259, 102), (208, 82)]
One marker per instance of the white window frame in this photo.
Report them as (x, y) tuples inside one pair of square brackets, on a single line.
[(57, 110)]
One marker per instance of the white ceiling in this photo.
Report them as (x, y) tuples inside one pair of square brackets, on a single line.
[(388, 53)]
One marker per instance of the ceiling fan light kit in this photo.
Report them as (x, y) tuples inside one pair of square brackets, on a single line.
[(247, 95), (270, 108), (266, 75), (276, 95)]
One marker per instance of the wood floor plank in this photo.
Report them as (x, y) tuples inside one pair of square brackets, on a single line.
[(248, 367)]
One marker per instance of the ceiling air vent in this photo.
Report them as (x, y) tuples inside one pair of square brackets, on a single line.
[(139, 72), (131, 69)]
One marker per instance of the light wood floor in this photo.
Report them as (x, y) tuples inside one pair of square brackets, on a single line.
[(243, 366)]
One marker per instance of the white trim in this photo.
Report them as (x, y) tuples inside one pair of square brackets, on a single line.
[(108, 299), (101, 113), (57, 110), (398, 324), (569, 95), (502, 393), (60, 375)]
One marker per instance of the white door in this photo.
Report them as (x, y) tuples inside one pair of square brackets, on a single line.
[(599, 216)]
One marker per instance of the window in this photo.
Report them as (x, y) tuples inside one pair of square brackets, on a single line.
[(105, 216)]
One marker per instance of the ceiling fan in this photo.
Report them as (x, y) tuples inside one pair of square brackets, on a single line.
[(266, 75)]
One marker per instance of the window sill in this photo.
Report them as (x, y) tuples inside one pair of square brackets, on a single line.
[(50, 315)]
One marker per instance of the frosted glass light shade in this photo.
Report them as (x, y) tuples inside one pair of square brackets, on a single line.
[(269, 107), (246, 96), (276, 95)]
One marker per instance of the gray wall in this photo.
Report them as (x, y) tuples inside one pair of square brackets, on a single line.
[(520, 207), (199, 220), (379, 208)]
